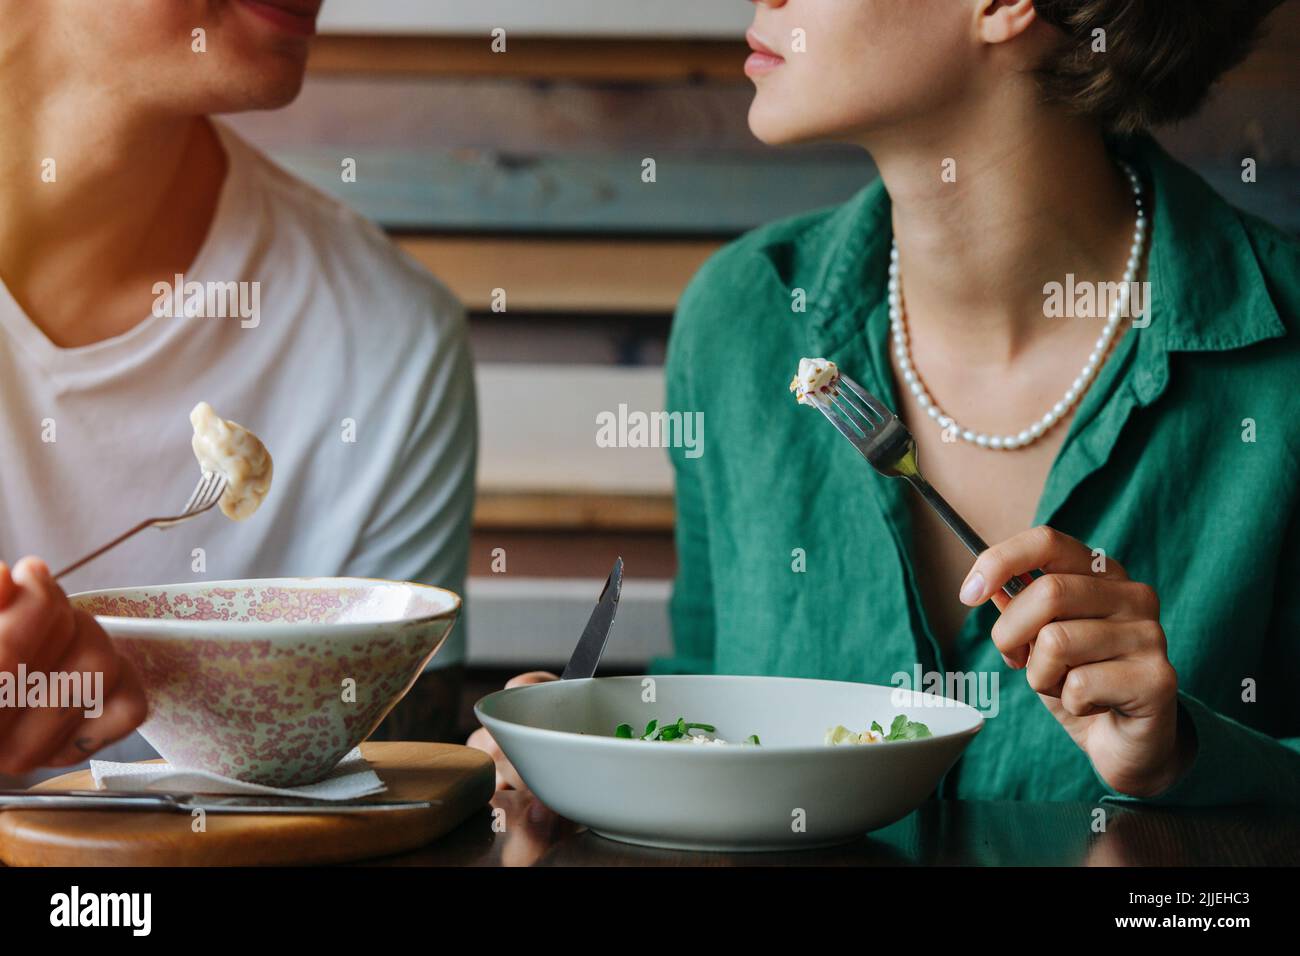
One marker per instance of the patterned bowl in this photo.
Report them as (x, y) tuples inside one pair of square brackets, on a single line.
[(275, 680)]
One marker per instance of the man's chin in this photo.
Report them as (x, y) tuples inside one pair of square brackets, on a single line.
[(261, 89), (281, 94)]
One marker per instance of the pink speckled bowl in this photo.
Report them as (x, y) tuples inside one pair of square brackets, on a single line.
[(274, 680)]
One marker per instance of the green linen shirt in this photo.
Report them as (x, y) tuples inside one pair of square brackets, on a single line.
[(1158, 468)]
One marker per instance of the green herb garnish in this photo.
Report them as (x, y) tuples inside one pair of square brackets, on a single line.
[(672, 731), (904, 729), (900, 729)]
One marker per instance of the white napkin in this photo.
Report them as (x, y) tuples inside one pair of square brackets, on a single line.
[(352, 778)]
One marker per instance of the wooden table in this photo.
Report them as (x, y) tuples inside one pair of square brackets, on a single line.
[(939, 833)]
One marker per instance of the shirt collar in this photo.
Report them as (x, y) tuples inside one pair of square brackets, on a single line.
[(1206, 280), (1208, 291)]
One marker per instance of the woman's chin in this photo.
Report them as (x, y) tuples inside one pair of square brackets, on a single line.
[(772, 126)]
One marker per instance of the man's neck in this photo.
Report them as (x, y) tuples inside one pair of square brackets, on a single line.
[(991, 208), (96, 204)]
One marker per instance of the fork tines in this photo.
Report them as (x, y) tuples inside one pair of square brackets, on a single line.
[(206, 493), (857, 408), (869, 400)]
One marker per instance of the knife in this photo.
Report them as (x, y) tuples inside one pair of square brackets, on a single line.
[(586, 656), (189, 802)]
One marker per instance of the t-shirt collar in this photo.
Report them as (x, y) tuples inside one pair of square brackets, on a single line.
[(223, 256)]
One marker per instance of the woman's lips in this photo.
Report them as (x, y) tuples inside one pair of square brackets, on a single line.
[(292, 17), (763, 60)]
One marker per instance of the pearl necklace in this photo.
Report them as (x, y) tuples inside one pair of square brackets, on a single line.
[(1080, 385)]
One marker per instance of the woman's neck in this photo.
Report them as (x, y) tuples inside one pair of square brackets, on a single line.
[(988, 211), (95, 196)]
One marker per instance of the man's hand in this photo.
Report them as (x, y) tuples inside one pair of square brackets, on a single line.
[(1099, 661), (39, 628)]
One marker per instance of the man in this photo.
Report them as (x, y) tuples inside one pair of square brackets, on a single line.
[(348, 360)]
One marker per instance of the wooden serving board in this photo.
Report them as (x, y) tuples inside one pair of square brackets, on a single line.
[(463, 779)]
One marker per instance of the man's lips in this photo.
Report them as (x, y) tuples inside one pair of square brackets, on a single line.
[(292, 16), (763, 60)]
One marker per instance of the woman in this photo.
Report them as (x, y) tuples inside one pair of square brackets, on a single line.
[(1154, 459)]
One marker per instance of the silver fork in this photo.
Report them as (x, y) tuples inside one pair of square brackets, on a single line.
[(206, 494), (883, 440)]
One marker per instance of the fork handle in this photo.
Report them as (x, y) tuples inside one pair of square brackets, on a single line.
[(974, 543), (108, 547)]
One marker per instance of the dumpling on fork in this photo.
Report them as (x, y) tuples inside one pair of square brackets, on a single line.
[(815, 376), (231, 450)]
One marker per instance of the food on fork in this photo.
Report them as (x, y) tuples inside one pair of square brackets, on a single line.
[(815, 376), (234, 452)]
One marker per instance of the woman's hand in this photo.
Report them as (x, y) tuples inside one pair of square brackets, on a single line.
[(1099, 660), (41, 630), (507, 777)]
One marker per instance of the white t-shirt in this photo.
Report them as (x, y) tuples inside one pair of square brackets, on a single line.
[(354, 370)]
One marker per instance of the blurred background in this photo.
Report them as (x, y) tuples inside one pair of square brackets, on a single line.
[(522, 171)]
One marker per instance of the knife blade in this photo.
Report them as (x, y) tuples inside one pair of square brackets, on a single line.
[(586, 656), (145, 800)]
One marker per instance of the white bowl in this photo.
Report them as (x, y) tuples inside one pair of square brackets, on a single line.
[(792, 791), (272, 680)]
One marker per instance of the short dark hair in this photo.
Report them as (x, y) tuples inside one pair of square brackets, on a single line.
[(1162, 56)]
